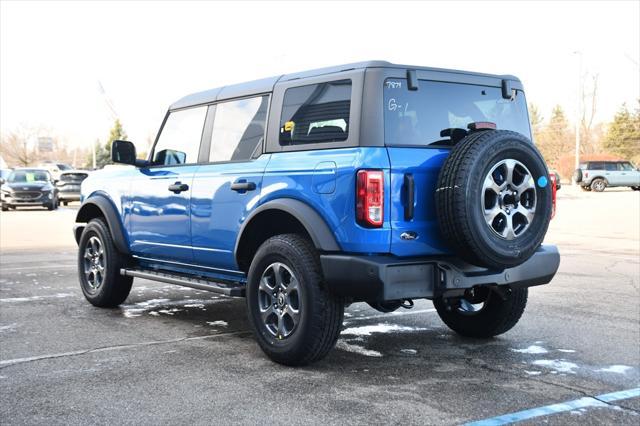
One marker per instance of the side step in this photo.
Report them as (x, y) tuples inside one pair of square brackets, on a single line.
[(198, 283)]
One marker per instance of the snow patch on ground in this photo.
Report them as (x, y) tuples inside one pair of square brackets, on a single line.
[(367, 330), (9, 327), (559, 366), (533, 349), (533, 373), (570, 351), (618, 369), (349, 347), (409, 351), (219, 323)]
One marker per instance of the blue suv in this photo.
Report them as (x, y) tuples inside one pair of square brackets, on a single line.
[(368, 182)]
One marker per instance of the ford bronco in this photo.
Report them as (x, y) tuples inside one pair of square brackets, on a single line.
[(368, 182)]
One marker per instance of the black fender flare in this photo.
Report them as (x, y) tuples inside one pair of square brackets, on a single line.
[(321, 235), (110, 214)]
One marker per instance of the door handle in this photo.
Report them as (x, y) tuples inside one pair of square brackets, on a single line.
[(178, 187), (243, 186)]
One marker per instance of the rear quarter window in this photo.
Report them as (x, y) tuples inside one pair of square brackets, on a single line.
[(316, 113)]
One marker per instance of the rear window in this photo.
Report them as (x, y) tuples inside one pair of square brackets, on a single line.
[(73, 177), (316, 113), (428, 116), (596, 165)]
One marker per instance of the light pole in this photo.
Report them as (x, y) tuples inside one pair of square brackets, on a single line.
[(578, 108)]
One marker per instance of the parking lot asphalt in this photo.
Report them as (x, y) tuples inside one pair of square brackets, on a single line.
[(174, 355)]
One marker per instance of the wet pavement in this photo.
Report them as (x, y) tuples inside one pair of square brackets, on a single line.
[(178, 355)]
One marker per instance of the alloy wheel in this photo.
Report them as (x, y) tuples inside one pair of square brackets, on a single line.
[(94, 263), (509, 199), (279, 300)]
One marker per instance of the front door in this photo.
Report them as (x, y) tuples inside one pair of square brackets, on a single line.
[(160, 212), (225, 190)]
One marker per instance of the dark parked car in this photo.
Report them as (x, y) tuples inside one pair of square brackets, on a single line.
[(368, 182), (28, 188), (69, 185)]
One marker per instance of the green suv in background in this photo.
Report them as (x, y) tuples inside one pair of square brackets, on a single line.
[(598, 175)]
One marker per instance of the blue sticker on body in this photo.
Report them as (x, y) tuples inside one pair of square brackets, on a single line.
[(542, 181)]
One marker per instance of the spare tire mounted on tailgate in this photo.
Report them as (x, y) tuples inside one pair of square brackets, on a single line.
[(493, 198)]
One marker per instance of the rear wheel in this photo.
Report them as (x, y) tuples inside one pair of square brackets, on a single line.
[(295, 320), (483, 312), (99, 264), (598, 185)]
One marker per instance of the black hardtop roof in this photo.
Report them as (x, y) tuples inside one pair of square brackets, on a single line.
[(266, 84)]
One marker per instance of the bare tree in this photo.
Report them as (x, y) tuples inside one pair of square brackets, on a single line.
[(15, 148), (590, 142)]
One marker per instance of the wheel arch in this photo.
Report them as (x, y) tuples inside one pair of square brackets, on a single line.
[(599, 177), (279, 216), (102, 206)]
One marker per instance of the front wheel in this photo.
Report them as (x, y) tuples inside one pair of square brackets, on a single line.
[(295, 320), (99, 264), (636, 188), (483, 313)]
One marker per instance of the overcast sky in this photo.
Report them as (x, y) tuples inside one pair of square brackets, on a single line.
[(148, 54)]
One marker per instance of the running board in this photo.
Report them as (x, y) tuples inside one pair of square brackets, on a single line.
[(197, 283)]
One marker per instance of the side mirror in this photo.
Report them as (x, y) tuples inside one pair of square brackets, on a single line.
[(123, 152)]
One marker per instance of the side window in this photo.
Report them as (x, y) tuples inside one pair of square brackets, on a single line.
[(625, 167), (597, 165), (238, 129), (179, 141), (316, 113), (610, 167)]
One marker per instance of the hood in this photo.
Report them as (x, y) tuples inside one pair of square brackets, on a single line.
[(27, 186)]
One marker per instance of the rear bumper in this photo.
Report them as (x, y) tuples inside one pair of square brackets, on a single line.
[(383, 278)]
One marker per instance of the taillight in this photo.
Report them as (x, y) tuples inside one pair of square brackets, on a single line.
[(370, 198), (586, 174), (554, 186)]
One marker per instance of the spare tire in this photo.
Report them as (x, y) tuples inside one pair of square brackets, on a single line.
[(577, 175), (493, 199)]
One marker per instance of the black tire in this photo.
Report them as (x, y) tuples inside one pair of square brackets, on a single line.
[(50, 206), (636, 188), (113, 288), (5, 208), (459, 198), (598, 185), (577, 175), (320, 313), (497, 316), (65, 203)]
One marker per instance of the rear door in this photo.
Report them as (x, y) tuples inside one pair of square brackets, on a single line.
[(159, 221), (226, 188), (613, 175), (417, 125)]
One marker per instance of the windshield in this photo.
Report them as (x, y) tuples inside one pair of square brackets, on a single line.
[(26, 176), (439, 113)]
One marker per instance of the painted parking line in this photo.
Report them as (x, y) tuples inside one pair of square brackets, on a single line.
[(598, 401)]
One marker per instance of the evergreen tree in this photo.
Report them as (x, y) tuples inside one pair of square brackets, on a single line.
[(623, 135), (103, 154)]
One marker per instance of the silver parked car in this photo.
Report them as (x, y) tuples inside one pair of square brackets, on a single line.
[(598, 175)]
